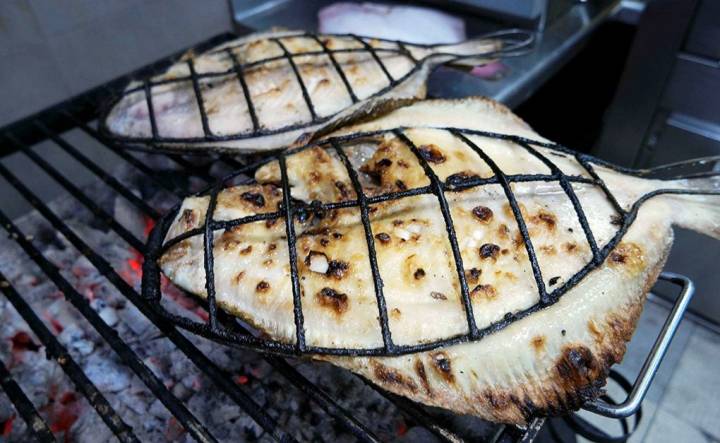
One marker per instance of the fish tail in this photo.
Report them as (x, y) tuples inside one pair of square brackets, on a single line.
[(484, 48), (696, 195)]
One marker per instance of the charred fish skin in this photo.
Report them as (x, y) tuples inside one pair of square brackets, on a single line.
[(265, 90), (531, 356)]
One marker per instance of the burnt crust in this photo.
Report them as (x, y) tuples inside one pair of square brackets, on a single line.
[(575, 376)]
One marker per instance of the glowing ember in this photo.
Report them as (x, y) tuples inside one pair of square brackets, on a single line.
[(149, 225), (241, 379), (401, 428), (22, 341), (63, 413), (56, 325), (7, 426)]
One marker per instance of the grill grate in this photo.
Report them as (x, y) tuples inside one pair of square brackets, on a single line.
[(513, 42), (76, 113)]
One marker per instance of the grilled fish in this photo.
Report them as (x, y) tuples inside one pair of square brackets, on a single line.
[(556, 255), (250, 94)]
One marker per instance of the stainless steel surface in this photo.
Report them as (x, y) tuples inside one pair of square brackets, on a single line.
[(630, 118), (652, 363), (560, 40)]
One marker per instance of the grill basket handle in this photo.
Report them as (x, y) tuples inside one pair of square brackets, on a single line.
[(652, 362)]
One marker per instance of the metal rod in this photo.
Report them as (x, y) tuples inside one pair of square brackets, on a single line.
[(200, 360), (199, 98), (240, 72), (126, 354), (125, 155), (55, 350), (450, 228), (372, 255), (512, 201), (298, 77), (37, 427), (292, 255), (85, 200), (654, 358), (104, 176), (338, 68)]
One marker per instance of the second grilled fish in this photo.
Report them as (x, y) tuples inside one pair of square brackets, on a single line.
[(263, 91)]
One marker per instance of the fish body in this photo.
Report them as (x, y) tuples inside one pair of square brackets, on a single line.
[(510, 301), (265, 90)]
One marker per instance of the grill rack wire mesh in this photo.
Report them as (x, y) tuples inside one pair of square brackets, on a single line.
[(513, 42), (77, 113), (290, 209)]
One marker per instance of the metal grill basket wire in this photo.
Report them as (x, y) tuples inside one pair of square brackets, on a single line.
[(290, 209)]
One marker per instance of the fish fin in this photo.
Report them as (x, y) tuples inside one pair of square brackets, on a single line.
[(483, 49), (699, 209)]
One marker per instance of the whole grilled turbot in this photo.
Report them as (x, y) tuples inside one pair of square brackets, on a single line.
[(249, 94), (554, 312)]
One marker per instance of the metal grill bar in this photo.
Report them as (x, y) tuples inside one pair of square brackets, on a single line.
[(185, 417), (239, 71), (416, 413), (292, 254), (104, 176), (123, 153), (151, 109), (406, 52), (199, 98), (589, 168), (316, 394), (194, 169), (105, 269), (208, 258), (191, 424), (452, 236), (373, 52), (544, 299), (338, 68), (55, 350), (298, 77), (86, 201), (37, 426), (372, 255), (567, 188), (311, 390)]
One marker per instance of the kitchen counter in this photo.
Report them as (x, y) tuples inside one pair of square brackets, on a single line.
[(555, 45)]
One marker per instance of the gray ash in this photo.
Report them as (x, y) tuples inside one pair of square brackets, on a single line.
[(67, 411)]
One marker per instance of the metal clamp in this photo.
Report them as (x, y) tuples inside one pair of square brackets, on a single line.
[(650, 367)]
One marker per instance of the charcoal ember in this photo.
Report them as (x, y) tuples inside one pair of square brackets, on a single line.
[(106, 373), (89, 428), (128, 216), (136, 323), (136, 403), (418, 434), (75, 340), (109, 316), (150, 420), (157, 409), (180, 391)]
